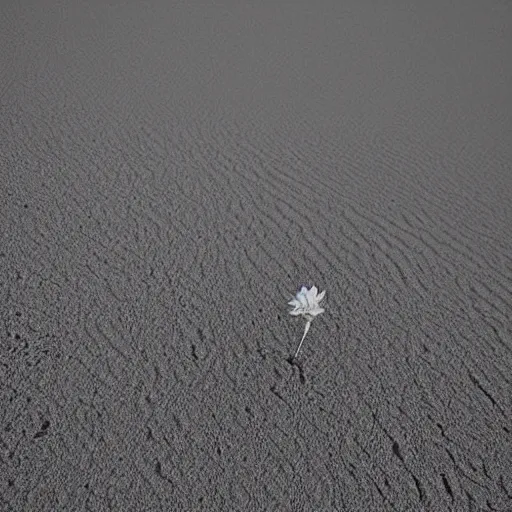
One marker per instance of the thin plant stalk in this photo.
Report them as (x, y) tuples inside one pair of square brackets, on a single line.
[(306, 329)]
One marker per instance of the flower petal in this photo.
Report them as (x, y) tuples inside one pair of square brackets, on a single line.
[(320, 296), (302, 299)]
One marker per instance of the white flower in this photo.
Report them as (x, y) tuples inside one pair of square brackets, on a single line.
[(306, 304)]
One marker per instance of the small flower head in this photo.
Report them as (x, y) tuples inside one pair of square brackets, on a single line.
[(306, 303)]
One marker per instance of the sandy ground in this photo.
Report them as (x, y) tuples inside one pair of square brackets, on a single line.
[(172, 173)]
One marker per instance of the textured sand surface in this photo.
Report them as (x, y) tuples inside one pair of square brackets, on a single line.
[(172, 172)]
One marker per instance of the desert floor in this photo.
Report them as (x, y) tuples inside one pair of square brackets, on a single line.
[(172, 172)]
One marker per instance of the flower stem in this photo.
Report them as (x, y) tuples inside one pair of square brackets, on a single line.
[(306, 329)]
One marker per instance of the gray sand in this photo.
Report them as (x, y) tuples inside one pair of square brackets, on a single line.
[(171, 174)]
